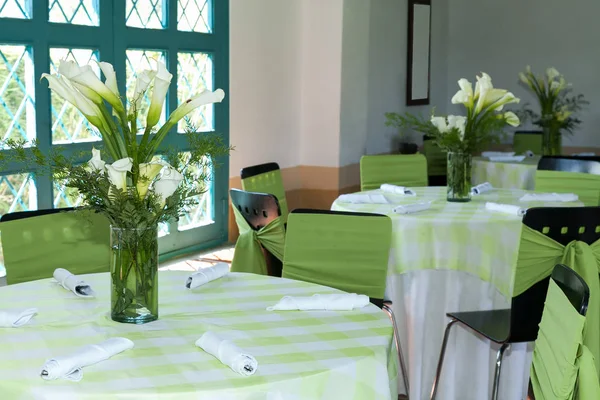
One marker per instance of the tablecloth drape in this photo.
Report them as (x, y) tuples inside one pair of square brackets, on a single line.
[(506, 175)]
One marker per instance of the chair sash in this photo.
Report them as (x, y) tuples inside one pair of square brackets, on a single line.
[(586, 186), (248, 255), (538, 254), (562, 366), (269, 182)]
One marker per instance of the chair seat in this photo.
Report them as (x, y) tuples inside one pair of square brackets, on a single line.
[(493, 324)]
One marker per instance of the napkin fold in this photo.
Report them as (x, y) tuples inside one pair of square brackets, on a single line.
[(386, 187), (206, 275), (497, 153), (70, 282), (363, 198), (14, 319), (482, 188), (550, 197), (412, 208), (70, 366), (330, 302), (506, 208), (530, 153), (228, 353), (506, 158)]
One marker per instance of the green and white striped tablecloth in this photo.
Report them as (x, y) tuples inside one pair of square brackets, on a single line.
[(301, 354), (454, 236), (506, 175)]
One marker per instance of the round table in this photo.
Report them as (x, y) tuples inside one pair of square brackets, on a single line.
[(453, 257), (505, 174), (301, 354)]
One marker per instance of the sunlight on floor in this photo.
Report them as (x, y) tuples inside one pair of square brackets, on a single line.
[(194, 262)]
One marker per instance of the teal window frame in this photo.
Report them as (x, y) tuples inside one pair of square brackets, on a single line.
[(112, 38)]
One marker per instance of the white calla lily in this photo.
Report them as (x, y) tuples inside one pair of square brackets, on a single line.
[(440, 124), (483, 85), (95, 163), (148, 171), (110, 78), (552, 73), (167, 183), (162, 81), (459, 122), (206, 97), (117, 172), (465, 94), (511, 119), (142, 82)]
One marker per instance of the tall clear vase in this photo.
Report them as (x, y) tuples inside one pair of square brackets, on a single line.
[(551, 141), (134, 274), (459, 177)]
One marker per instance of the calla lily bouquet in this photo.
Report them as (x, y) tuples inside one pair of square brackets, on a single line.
[(482, 124), (126, 179)]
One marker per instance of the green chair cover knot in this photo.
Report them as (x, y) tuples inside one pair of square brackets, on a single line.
[(248, 255)]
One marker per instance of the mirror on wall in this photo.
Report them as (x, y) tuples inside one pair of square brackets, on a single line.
[(419, 42)]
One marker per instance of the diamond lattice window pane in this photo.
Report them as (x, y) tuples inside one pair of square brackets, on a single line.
[(194, 15), (148, 14), (138, 60), (194, 75), (15, 9), (78, 12), (17, 105), (66, 197), (68, 124), (203, 212)]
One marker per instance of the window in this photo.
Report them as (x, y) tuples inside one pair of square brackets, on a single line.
[(190, 36)]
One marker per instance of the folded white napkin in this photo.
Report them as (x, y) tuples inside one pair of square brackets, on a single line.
[(412, 208), (585, 154), (363, 198), (14, 319), (332, 302), (506, 158), (505, 208), (70, 366), (386, 187), (529, 153), (497, 153), (206, 275), (72, 283), (550, 197), (482, 188), (228, 353)]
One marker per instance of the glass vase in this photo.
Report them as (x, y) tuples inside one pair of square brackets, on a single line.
[(459, 177), (134, 274), (551, 141)]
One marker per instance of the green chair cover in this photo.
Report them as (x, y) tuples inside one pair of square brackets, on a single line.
[(538, 254), (586, 186), (562, 367), (437, 159), (402, 170), (248, 255), (34, 247), (346, 252), (269, 182), (527, 141)]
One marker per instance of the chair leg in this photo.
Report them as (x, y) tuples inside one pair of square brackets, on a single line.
[(499, 357), (390, 313), (438, 371)]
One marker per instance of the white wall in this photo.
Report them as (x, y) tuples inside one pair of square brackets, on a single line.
[(502, 37)]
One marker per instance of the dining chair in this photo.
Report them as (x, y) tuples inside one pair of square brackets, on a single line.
[(527, 140), (259, 248), (561, 363), (569, 175), (343, 250), (437, 160), (35, 243), (549, 236), (266, 178), (396, 169)]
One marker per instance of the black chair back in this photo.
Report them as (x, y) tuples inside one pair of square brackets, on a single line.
[(254, 170), (570, 164), (563, 225), (573, 286), (35, 213), (259, 209)]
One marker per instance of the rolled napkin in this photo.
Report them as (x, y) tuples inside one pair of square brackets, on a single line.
[(506, 208), (482, 188), (386, 187), (330, 302), (70, 367), (507, 158), (206, 275), (530, 153), (14, 319), (228, 353), (497, 153), (412, 208), (363, 198), (72, 283), (550, 197)]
